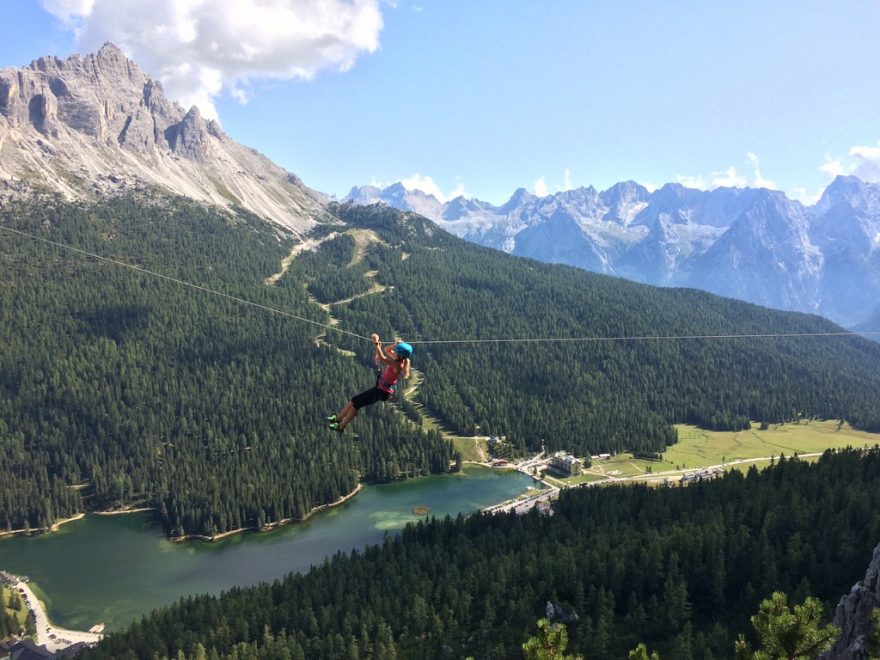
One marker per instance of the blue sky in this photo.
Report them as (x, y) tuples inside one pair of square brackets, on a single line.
[(483, 97)]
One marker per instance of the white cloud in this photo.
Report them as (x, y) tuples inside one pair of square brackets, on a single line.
[(728, 179), (691, 181), (198, 48), (867, 163), (540, 188), (833, 167), (424, 183), (427, 185), (758, 180), (722, 179), (458, 192), (761, 182), (804, 196), (67, 10), (566, 180), (863, 162)]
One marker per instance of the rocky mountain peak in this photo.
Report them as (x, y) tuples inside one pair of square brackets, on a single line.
[(670, 193), (626, 191), (364, 195), (396, 190), (190, 136), (461, 207), (109, 127), (625, 201), (581, 194), (520, 197), (851, 192), (110, 51)]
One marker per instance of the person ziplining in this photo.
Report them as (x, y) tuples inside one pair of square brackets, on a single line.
[(396, 361)]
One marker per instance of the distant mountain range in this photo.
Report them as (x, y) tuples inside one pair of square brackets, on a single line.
[(752, 244)]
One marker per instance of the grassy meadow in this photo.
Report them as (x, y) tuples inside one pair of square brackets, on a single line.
[(699, 448)]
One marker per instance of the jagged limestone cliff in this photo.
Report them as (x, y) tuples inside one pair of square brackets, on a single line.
[(97, 124), (854, 616)]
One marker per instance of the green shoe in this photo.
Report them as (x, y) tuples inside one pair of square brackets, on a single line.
[(335, 427), (331, 418)]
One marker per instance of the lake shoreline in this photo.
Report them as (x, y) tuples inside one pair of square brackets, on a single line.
[(40, 531), (49, 635), (122, 512), (222, 535), (268, 527)]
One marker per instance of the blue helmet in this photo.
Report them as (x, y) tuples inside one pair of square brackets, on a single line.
[(403, 350)]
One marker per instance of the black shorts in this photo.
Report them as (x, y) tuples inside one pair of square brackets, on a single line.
[(369, 397)]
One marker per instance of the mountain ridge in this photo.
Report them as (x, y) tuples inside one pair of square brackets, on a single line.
[(94, 125), (753, 244)]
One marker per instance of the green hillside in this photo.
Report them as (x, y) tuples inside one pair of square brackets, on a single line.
[(146, 393), (602, 395), (122, 389)]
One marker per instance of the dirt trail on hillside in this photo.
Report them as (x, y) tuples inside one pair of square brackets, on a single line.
[(299, 248)]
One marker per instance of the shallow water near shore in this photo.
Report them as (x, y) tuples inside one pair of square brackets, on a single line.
[(113, 569)]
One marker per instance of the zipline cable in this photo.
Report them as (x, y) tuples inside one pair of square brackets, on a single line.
[(781, 335), (182, 282), (778, 335)]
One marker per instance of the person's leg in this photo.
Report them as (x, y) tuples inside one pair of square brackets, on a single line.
[(350, 413), (367, 398), (342, 413), (349, 410)]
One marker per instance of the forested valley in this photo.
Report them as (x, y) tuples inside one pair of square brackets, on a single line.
[(680, 569), (121, 389)]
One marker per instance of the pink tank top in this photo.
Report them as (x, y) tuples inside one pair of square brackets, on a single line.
[(388, 380)]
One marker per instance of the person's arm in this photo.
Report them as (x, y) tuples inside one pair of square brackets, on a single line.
[(404, 373), (380, 354)]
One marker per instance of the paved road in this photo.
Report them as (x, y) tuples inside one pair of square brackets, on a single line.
[(646, 476), (524, 504)]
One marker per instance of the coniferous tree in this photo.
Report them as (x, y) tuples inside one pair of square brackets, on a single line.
[(790, 633)]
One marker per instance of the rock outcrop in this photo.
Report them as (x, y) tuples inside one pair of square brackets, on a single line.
[(853, 616), (94, 125)]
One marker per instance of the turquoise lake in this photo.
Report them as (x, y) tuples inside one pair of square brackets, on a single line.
[(113, 569)]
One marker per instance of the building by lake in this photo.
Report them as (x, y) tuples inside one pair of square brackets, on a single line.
[(567, 464)]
